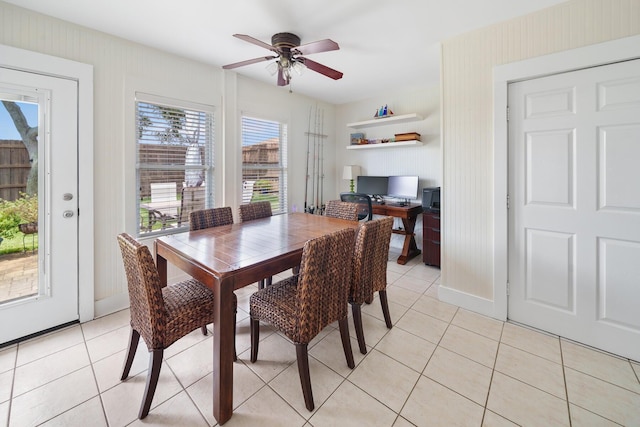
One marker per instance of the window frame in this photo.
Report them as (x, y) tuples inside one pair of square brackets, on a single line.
[(208, 159), (282, 165)]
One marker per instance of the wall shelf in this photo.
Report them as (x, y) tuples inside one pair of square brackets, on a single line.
[(398, 118), (385, 145)]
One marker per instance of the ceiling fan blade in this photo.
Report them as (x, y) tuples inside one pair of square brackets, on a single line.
[(281, 80), (317, 47), (322, 69), (255, 41), (248, 62)]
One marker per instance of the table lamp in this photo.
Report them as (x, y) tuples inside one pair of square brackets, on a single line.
[(350, 172)]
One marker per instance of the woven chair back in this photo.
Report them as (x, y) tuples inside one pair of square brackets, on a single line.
[(255, 210), (213, 217), (342, 210)]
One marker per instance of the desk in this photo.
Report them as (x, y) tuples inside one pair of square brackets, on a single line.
[(409, 215), (230, 257)]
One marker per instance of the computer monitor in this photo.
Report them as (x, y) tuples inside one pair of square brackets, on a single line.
[(372, 185), (403, 187)]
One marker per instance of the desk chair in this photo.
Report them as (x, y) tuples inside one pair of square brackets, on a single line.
[(301, 306), (363, 200)]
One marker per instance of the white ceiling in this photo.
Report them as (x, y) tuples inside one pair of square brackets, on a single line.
[(384, 45)]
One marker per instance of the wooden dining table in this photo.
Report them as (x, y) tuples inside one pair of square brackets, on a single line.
[(230, 257)]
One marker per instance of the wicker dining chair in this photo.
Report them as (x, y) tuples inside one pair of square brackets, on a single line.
[(301, 306), (342, 210), (160, 314), (256, 210), (215, 217), (212, 217), (369, 273)]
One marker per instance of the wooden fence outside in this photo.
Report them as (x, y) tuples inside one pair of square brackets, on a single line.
[(15, 165), (14, 169)]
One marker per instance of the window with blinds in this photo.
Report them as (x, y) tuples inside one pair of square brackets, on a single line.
[(174, 167), (264, 162)]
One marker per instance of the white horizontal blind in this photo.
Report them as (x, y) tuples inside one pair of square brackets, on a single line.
[(264, 162), (174, 162)]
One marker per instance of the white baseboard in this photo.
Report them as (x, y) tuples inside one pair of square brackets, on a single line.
[(470, 302), (111, 305)]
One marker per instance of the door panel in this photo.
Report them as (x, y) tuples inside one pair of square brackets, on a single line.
[(574, 217), (54, 301)]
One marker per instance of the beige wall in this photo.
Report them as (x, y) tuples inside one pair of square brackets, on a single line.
[(120, 69), (467, 111)]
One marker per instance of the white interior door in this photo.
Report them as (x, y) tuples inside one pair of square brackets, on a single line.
[(574, 216), (53, 299)]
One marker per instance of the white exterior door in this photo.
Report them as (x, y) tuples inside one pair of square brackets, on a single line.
[(574, 216), (53, 299)]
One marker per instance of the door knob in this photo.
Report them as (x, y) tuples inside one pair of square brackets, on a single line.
[(67, 214)]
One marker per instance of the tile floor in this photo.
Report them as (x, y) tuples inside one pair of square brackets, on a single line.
[(439, 366)]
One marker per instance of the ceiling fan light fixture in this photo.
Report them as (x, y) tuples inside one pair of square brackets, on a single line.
[(272, 68), (288, 56), (299, 67)]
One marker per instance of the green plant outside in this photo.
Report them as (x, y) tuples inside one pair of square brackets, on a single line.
[(272, 198), (21, 211), (14, 244)]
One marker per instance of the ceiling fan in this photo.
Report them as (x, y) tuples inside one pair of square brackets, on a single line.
[(288, 52)]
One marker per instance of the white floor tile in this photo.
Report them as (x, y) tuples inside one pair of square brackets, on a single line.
[(350, 406), (524, 404), (601, 365), (454, 349), (531, 369), (422, 325), (432, 404), (531, 341), (8, 358), (479, 324), (406, 348), (471, 345), (265, 409), (462, 375), (52, 399), (89, 413), (45, 345), (602, 398), (122, 402), (391, 385), (49, 368)]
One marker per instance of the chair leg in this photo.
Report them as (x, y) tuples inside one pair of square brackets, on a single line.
[(346, 342), (204, 330), (255, 338), (357, 322), (134, 339), (303, 371), (385, 308), (235, 319), (155, 363)]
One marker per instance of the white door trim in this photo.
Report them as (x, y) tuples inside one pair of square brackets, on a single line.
[(24, 60), (570, 60)]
